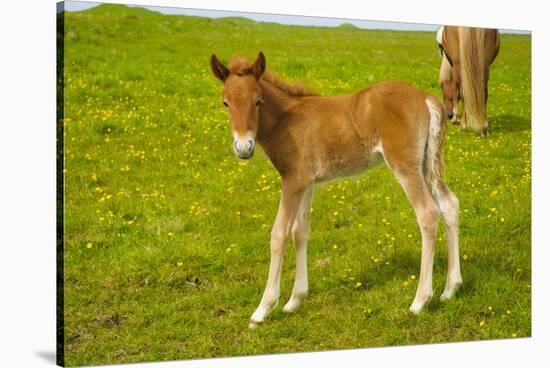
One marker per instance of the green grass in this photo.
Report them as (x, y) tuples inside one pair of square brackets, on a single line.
[(167, 233)]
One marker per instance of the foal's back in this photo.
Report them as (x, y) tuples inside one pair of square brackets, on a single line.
[(343, 135)]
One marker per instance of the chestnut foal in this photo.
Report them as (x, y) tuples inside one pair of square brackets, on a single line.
[(311, 138)]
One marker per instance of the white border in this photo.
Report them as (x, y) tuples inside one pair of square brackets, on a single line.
[(27, 181)]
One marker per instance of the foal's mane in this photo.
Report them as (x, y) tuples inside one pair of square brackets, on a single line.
[(242, 66)]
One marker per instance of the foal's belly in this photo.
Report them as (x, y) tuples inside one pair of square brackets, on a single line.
[(326, 168)]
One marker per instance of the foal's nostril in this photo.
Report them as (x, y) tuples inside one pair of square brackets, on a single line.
[(244, 148)]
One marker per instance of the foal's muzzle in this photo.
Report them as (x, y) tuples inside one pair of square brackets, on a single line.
[(244, 149)]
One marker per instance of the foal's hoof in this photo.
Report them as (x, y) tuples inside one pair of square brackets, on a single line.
[(261, 313), (416, 308), (419, 303), (450, 291), (293, 303), (290, 308), (253, 325)]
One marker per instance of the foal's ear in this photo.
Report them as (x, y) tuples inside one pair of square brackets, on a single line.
[(220, 71), (258, 68)]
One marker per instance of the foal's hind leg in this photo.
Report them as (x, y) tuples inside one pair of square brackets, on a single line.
[(449, 208), (427, 216), (300, 235)]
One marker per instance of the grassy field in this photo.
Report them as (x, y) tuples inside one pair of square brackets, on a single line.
[(167, 233)]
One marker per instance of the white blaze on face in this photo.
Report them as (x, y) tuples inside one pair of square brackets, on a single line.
[(439, 36), (243, 145)]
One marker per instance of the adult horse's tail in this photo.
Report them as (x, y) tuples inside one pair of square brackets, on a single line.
[(473, 75)]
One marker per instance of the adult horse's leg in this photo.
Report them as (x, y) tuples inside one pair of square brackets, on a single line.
[(300, 235), (455, 119), (485, 128), (291, 197), (464, 119), (456, 79)]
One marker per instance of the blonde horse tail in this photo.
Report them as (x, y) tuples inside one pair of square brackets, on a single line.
[(472, 69), (433, 159)]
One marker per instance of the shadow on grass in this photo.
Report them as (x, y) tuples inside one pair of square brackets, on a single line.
[(400, 266), (507, 123), (403, 265)]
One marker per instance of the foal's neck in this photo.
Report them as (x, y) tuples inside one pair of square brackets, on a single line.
[(277, 107)]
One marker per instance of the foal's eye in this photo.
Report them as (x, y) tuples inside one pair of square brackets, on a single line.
[(258, 103), (225, 103)]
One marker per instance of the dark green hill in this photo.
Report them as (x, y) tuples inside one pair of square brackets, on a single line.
[(348, 26), (118, 9)]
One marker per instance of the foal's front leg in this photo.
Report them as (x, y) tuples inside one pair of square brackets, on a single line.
[(291, 197), (300, 236)]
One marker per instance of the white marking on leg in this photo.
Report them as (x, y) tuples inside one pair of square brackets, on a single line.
[(455, 114), (427, 218), (270, 298), (300, 234), (288, 207), (426, 215), (449, 207), (424, 291)]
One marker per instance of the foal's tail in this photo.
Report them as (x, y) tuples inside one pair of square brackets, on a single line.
[(433, 159), (472, 69)]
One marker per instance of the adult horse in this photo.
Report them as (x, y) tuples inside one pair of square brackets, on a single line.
[(470, 52), (449, 83), (311, 138)]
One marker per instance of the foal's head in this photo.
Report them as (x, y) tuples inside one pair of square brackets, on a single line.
[(242, 97)]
